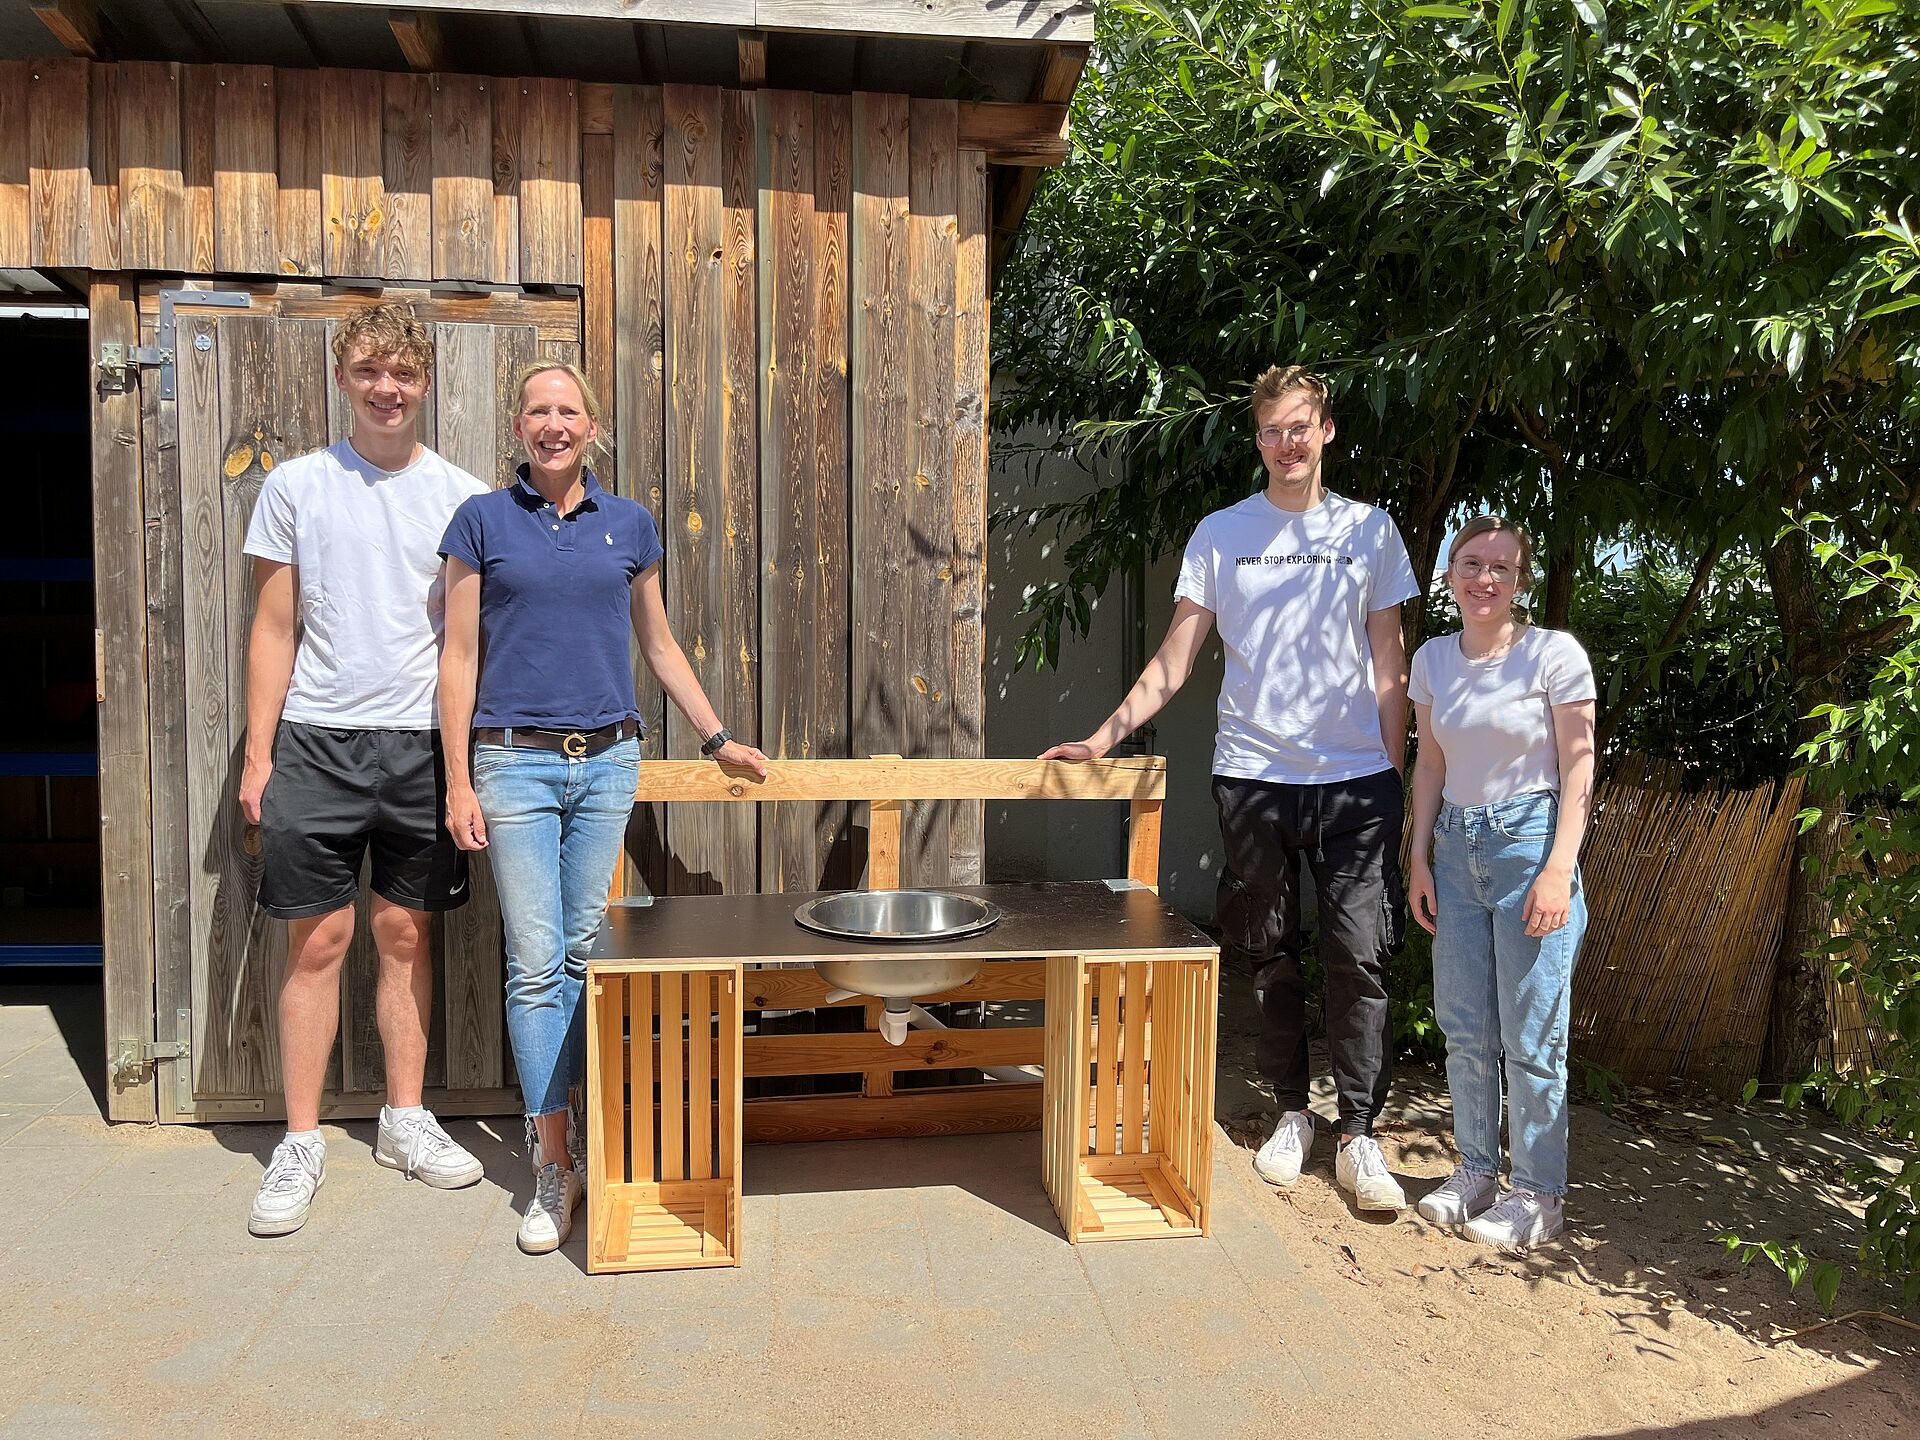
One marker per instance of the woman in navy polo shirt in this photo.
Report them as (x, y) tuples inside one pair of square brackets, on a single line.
[(543, 579)]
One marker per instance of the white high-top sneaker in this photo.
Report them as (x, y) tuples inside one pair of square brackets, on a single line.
[(298, 1168), (549, 1217), (1520, 1221), (1458, 1198), (1361, 1170), (416, 1146), (1278, 1161)]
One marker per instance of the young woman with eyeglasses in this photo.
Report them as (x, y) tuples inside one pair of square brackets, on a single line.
[(1502, 788)]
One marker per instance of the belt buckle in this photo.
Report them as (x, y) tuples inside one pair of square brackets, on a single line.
[(575, 744)]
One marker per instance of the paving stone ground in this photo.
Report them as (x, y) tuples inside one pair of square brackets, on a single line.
[(890, 1288)]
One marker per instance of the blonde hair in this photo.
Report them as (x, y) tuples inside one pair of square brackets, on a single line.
[(529, 373), (1278, 380), (382, 330), (1500, 525)]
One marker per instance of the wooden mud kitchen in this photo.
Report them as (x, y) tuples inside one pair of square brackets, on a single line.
[(1127, 1046)]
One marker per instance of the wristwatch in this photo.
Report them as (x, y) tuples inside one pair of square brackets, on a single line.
[(714, 742)]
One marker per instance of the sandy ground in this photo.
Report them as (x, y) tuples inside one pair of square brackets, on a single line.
[(1637, 1322)]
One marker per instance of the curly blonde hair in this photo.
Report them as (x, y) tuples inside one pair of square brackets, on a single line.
[(382, 330)]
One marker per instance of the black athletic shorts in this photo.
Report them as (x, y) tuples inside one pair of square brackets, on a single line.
[(334, 793)]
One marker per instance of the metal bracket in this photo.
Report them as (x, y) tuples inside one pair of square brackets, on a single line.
[(134, 1060), (118, 364), (1119, 886), (195, 299)]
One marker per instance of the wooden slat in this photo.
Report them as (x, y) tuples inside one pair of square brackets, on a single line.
[(927, 568), (598, 319), (966, 852), (891, 778), (673, 1098), (407, 167), (880, 451), (153, 199), (736, 546), (883, 845), (1106, 1090), (1059, 74), (699, 988), (548, 163), (596, 108), (246, 198), (417, 32), (552, 318), (789, 507), (462, 141), (944, 19), (969, 1110), (299, 213), (59, 178), (836, 861), (16, 188), (199, 127), (834, 1054), (752, 47), (126, 810), (606, 1088), (636, 394), (640, 1050), (352, 171), (803, 989), (1133, 1057), (728, 989), (103, 155), (506, 182)]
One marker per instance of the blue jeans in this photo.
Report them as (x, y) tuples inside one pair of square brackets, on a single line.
[(554, 828), (1498, 990)]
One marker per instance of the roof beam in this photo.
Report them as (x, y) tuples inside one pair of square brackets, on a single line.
[(418, 32), (75, 24), (1014, 134), (1054, 84), (1058, 20), (753, 59)]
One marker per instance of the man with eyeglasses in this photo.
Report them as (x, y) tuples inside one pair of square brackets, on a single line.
[(1306, 587)]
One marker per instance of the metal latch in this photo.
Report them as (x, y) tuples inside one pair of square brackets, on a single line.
[(119, 364), (134, 1059)]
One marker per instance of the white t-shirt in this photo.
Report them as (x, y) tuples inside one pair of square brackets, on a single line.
[(1291, 592), (366, 542), (1493, 719)]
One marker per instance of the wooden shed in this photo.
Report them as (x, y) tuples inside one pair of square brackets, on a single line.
[(766, 228)]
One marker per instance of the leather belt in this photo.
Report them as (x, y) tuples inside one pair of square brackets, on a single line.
[(575, 744)]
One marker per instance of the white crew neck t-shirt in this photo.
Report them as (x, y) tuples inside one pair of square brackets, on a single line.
[(366, 542), (1291, 592), (1493, 719)]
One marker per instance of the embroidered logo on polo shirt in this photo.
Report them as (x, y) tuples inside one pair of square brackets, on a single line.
[(609, 537)]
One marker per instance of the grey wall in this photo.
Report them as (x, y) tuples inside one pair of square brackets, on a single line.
[(1028, 711)]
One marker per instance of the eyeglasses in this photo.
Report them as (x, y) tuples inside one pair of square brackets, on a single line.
[(1271, 435), (1473, 570)]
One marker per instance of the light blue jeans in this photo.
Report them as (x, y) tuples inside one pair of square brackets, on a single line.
[(554, 829), (1498, 990)]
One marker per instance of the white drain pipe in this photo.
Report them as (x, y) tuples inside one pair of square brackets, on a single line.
[(894, 1023)]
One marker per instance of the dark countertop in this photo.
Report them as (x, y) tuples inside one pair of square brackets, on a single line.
[(1079, 917)]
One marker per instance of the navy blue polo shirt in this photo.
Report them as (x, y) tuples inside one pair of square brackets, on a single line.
[(555, 603)]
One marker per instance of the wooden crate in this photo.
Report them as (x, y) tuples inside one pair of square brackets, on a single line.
[(1127, 1133), (663, 1115)]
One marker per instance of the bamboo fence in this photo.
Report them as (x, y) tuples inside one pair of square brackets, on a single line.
[(1687, 895)]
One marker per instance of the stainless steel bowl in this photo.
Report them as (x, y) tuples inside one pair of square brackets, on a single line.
[(897, 915)]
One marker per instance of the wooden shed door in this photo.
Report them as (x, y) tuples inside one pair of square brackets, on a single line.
[(254, 390)]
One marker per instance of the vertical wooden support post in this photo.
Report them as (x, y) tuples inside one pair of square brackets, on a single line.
[(120, 609), (1143, 843)]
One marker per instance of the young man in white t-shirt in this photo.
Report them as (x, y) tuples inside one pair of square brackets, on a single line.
[(1306, 588), (343, 750)]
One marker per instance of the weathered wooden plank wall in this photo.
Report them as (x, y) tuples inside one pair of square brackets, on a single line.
[(782, 298)]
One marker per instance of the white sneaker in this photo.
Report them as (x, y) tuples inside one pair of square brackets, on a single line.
[(549, 1217), (1278, 1161), (1458, 1198), (1520, 1221), (298, 1168), (1361, 1170), (419, 1148)]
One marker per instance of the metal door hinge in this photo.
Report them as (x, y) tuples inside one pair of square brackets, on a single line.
[(119, 364), (134, 1060)]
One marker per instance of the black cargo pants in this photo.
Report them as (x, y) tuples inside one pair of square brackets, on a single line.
[(1349, 831)]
